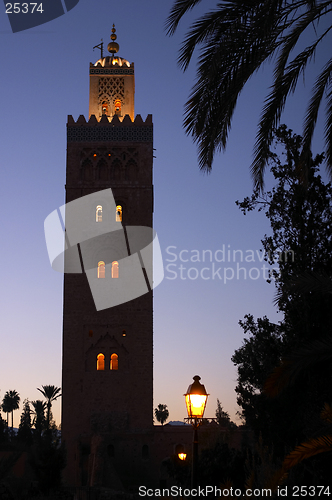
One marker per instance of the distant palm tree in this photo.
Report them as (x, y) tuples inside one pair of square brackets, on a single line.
[(50, 393), (11, 402), (161, 413), (5, 406), (236, 38), (39, 419)]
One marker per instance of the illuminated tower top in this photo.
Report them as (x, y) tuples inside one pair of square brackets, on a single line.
[(112, 84)]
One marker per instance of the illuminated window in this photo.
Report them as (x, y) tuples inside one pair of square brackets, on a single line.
[(115, 269), (104, 108), (100, 362), (117, 107), (114, 362), (101, 269), (118, 214), (99, 213)]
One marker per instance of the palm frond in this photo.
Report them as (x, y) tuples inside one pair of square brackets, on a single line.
[(250, 480), (326, 413), (50, 392), (235, 39), (308, 449), (314, 353), (209, 110), (312, 112), (328, 132), (211, 28), (277, 479), (274, 105), (297, 25), (178, 10), (306, 282)]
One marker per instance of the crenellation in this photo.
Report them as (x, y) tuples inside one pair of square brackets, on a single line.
[(114, 121)]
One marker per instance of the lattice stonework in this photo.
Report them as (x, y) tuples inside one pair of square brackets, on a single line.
[(111, 89)]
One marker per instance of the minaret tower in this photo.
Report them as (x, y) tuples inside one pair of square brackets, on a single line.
[(107, 354)]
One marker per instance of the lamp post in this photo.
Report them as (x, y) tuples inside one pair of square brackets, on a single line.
[(196, 398)]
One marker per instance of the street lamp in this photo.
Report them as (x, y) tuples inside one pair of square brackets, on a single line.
[(196, 398)]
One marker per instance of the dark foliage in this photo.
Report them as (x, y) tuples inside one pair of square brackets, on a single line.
[(300, 214)]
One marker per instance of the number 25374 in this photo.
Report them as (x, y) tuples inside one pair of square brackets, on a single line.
[(25, 8)]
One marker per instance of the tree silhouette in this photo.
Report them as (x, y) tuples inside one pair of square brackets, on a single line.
[(297, 350), (5, 406), (50, 393), (236, 38), (161, 413), (39, 420), (24, 431), (10, 403), (222, 416)]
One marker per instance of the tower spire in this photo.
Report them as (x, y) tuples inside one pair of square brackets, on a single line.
[(113, 47)]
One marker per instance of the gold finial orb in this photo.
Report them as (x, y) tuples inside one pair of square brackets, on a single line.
[(113, 47)]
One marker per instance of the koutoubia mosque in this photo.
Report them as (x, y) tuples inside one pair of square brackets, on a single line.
[(107, 380)]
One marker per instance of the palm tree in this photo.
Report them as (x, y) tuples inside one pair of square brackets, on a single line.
[(39, 415), (6, 407), (50, 393), (236, 38), (161, 413), (10, 403)]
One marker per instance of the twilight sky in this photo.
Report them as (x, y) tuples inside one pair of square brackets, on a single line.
[(44, 78)]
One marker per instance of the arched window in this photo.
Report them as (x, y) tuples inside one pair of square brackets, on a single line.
[(117, 107), (101, 269), (118, 214), (116, 169), (100, 362), (114, 365), (87, 170), (102, 170), (130, 170), (115, 269), (104, 108), (99, 213)]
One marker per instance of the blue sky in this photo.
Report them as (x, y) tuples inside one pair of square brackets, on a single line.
[(45, 77)]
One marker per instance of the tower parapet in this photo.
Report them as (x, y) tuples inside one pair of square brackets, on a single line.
[(107, 130)]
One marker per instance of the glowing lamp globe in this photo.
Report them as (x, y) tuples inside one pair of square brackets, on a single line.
[(196, 398)]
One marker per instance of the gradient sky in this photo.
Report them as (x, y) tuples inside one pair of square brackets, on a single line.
[(44, 78)]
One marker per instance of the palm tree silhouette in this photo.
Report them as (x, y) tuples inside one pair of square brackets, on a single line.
[(236, 39), (50, 393), (6, 407), (10, 403), (161, 413), (39, 415)]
